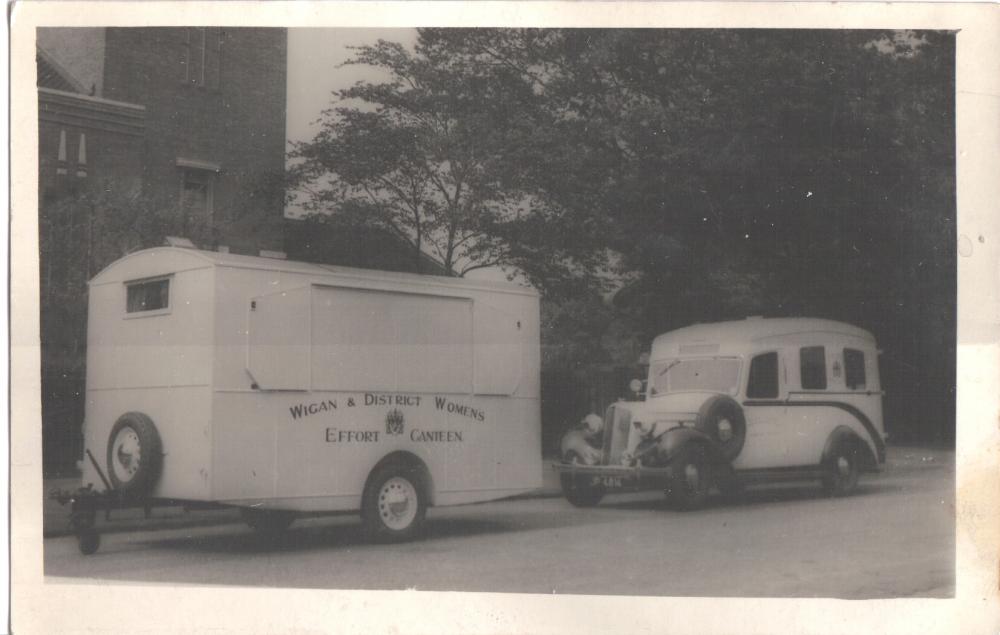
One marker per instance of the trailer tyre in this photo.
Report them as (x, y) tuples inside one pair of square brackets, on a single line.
[(722, 419), (135, 455), (394, 503)]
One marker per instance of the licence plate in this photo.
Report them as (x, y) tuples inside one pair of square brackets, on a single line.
[(610, 481)]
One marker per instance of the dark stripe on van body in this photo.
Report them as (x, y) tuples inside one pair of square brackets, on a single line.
[(846, 407)]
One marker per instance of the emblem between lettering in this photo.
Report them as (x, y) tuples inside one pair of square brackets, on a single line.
[(394, 422)]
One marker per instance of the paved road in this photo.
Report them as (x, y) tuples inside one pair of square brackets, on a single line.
[(894, 538)]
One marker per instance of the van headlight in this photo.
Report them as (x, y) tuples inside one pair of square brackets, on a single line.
[(642, 427), (650, 428)]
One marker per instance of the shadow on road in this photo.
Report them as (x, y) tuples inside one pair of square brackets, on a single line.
[(757, 496), (324, 534), (346, 533)]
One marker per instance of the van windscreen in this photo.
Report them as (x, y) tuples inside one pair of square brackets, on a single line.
[(717, 374)]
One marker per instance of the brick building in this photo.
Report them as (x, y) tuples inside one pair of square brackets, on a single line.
[(191, 116)]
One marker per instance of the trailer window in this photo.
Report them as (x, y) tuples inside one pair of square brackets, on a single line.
[(148, 295), (763, 381), (854, 369), (813, 367)]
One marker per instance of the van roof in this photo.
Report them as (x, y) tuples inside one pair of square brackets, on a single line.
[(176, 259), (746, 331)]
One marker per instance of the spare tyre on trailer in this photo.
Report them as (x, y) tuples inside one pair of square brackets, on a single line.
[(135, 455)]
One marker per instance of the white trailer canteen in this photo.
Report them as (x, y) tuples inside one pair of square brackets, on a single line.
[(283, 387)]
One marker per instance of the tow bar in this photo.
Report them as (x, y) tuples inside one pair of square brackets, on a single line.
[(85, 502)]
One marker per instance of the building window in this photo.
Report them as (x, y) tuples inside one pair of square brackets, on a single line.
[(194, 57), (147, 295), (61, 167), (197, 191), (81, 157), (202, 54), (854, 369), (813, 366), (763, 380)]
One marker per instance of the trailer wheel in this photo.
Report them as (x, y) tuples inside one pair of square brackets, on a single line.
[(394, 503), (579, 489), (722, 419), (135, 454)]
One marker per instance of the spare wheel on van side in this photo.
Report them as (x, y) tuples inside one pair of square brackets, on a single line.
[(722, 419)]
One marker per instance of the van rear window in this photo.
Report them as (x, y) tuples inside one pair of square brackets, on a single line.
[(813, 366), (854, 369), (149, 295)]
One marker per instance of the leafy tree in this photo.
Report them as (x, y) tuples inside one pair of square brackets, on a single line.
[(741, 172), (432, 156), (722, 173)]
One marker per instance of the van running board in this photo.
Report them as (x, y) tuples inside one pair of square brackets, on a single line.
[(780, 474)]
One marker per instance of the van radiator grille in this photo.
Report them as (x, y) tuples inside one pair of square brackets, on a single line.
[(617, 422)]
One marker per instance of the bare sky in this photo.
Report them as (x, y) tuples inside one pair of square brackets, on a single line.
[(313, 59)]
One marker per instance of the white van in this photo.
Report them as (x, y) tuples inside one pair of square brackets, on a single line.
[(737, 403), (283, 387)]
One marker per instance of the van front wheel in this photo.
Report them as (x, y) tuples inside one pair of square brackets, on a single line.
[(688, 486), (394, 505)]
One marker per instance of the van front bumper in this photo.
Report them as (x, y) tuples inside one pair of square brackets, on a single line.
[(623, 475)]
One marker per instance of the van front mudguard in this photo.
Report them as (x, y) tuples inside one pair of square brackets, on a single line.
[(671, 442)]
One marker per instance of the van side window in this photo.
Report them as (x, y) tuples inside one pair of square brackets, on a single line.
[(854, 369), (763, 380), (813, 366), (148, 295)]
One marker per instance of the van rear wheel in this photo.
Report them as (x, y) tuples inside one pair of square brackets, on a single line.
[(394, 504), (841, 471)]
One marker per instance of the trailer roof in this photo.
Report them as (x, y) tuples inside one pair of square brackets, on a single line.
[(177, 259), (751, 329)]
